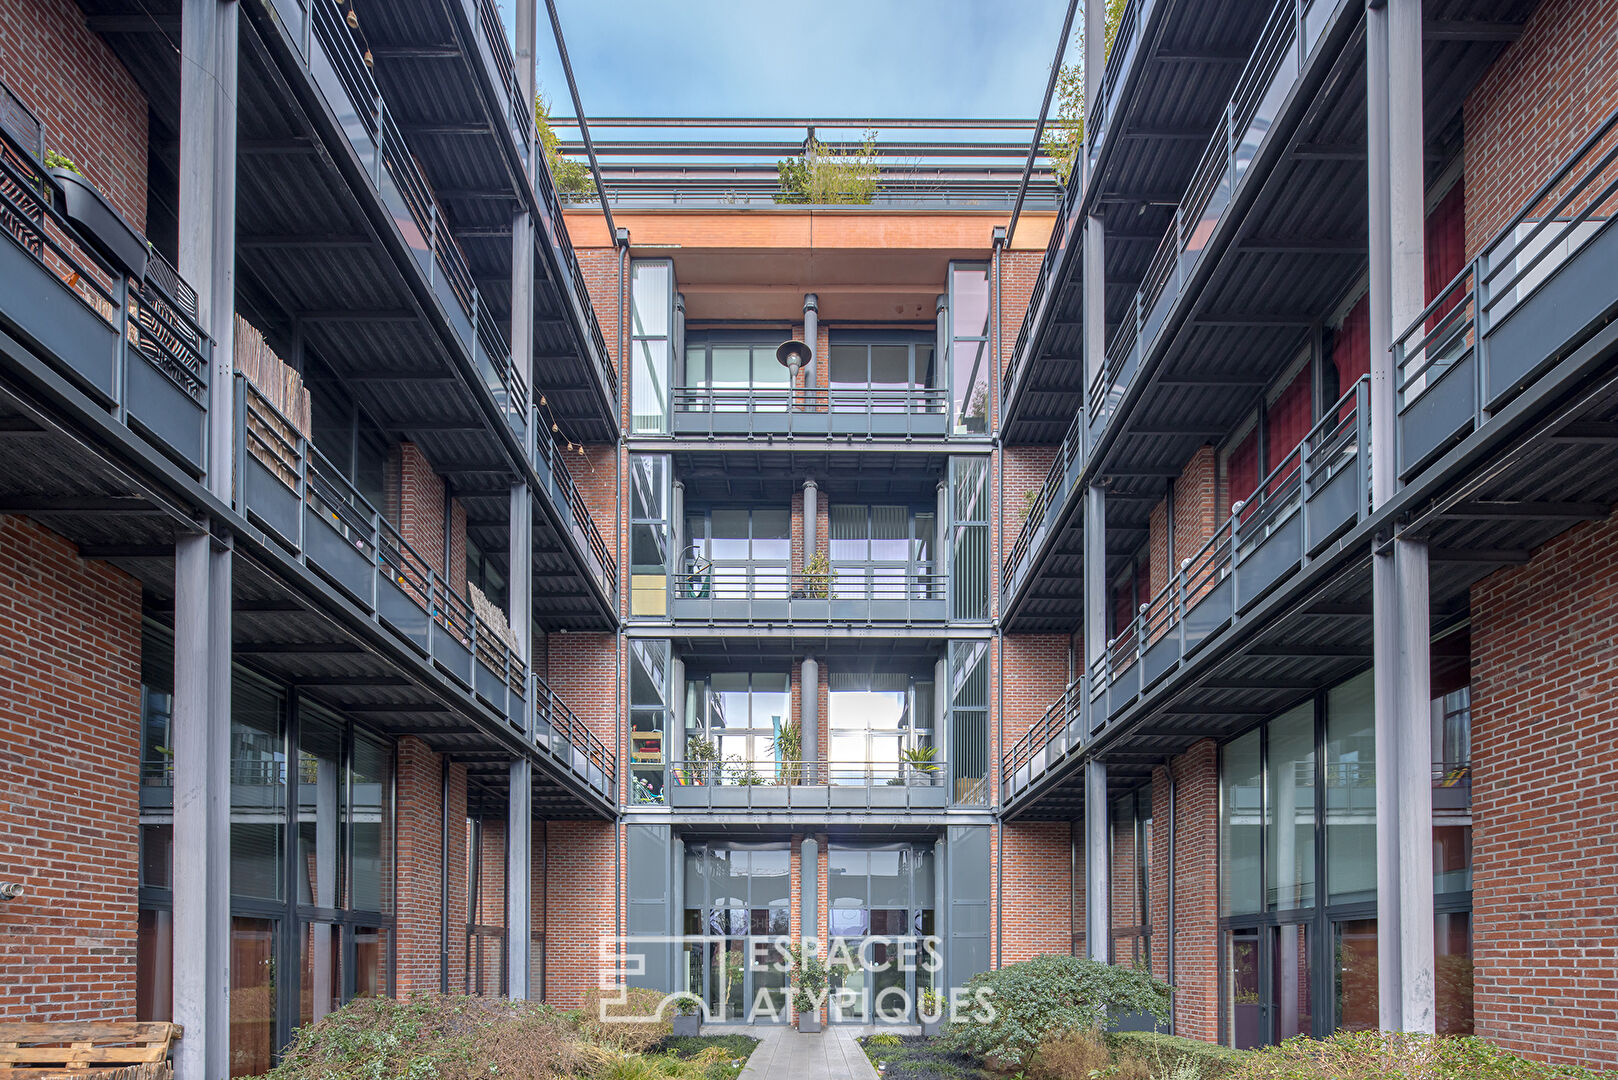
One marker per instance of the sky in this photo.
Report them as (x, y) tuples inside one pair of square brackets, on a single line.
[(855, 58)]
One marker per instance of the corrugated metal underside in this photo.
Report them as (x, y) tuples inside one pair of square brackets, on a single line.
[(771, 476), (1498, 515), (563, 598), (1193, 52), (278, 626), (779, 652), (1297, 256), (430, 85)]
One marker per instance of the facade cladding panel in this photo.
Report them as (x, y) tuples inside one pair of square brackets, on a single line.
[(1217, 880)]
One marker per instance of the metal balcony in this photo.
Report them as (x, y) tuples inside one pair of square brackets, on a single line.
[(131, 342), (806, 785), (811, 411), (749, 593)]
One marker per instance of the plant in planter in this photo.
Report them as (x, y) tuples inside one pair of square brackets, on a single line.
[(787, 746), (687, 1020), (817, 577), (930, 1007), (810, 978), (702, 758), (921, 764), (88, 209)]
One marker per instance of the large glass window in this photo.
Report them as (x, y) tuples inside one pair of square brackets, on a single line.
[(722, 366), (1130, 872), (881, 728), (737, 553), (969, 720), (650, 557), (1241, 825), (882, 552), (886, 371), (258, 789), (738, 906), (735, 719), (1290, 867), (651, 301), (880, 908), (1351, 791), (970, 361), (969, 537), (649, 673)]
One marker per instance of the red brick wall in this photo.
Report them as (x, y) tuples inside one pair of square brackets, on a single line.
[(600, 267), (1196, 888), (1034, 897), (1018, 272), (1539, 99), (580, 907), (69, 816), (1545, 827), (92, 109), (421, 506), (582, 669), (421, 863)]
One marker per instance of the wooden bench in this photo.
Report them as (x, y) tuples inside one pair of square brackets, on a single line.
[(133, 1051)]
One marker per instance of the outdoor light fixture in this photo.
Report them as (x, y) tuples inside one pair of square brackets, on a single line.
[(793, 355), (11, 890)]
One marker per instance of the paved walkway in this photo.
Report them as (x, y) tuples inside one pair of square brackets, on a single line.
[(785, 1054)]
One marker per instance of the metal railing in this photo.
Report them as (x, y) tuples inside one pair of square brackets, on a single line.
[(1320, 489), (565, 494), (735, 772), (810, 410), (1063, 473), (152, 318), (284, 484), (1449, 376), (751, 591)]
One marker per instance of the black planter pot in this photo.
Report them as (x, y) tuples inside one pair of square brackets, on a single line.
[(686, 1027), (103, 226), (931, 1029)]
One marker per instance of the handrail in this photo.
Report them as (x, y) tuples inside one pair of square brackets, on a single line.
[(734, 772), (1068, 453), (268, 437), (1061, 713), (744, 582), (916, 399), (573, 499)]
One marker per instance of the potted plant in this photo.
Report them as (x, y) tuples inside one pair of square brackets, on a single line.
[(103, 226), (787, 746), (817, 577), (687, 1021), (930, 1008), (809, 981), (701, 755), (921, 764)]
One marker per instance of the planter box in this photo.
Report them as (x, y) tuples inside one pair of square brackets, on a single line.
[(809, 1023), (931, 1029), (100, 224), (686, 1027)]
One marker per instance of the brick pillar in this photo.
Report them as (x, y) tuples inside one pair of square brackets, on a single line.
[(1196, 888), (419, 905)]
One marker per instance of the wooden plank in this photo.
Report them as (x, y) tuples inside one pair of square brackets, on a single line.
[(145, 1030), (84, 1054)]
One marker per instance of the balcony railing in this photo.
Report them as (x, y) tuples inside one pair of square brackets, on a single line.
[(1319, 491), (749, 592), (1506, 316), (785, 410), (551, 464), (284, 485), (1047, 503), (796, 785), (132, 343)]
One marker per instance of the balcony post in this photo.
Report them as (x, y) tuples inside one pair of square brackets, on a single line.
[(1095, 574), (677, 537), (811, 331), (676, 733), (524, 31), (941, 343), (1405, 963), (809, 709), (811, 518), (1097, 886), (941, 522), (519, 875)]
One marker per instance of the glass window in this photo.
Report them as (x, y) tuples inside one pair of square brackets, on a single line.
[(1291, 813), (649, 554), (969, 720), (1241, 775), (1452, 944), (371, 826), (1356, 976), (1290, 988), (881, 728), (1244, 1008), (321, 791), (969, 348), (258, 789), (252, 995), (969, 567), (1351, 791), (882, 552), (651, 315), (648, 717)]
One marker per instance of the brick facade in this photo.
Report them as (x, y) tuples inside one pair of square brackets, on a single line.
[(69, 820), (422, 869), (93, 110), (1196, 887), (1545, 832), (580, 906)]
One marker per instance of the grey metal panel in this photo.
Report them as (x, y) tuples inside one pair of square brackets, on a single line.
[(846, 797), (1161, 655), (458, 662), (651, 912), (1444, 410), (292, 16), (933, 796), (888, 796), (1208, 615), (809, 797), (452, 308), (966, 933), (1276, 555), (490, 686), (336, 95), (168, 413), (344, 564), (769, 796), (687, 796), (269, 501), (402, 613), (49, 312), (1333, 505), (1580, 292), (811, 610)]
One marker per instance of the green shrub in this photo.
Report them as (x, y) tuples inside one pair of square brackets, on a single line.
[(1211, 1059), (1378, 1055), (1047, 997)]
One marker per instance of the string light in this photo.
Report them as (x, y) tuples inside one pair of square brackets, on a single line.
[(353, 19)]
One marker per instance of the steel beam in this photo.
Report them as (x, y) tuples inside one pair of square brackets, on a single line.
[(1097, 880), (519, 875)]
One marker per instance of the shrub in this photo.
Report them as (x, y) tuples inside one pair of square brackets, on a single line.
[(1047, 997), (1077, 1055), (1209, 1060), (627, 1034), (1379, 1055)]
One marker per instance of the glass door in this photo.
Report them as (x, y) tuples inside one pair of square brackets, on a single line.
[(881, 912)]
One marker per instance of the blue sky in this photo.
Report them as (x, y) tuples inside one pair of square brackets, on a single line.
[(967, 58)]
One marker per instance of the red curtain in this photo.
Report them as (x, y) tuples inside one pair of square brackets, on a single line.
[(1445, 245), (1351, 350), (1287, 422), (1241, 471)]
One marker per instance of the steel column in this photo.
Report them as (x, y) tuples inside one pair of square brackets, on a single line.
[(1095, 67), (811, 331), (811, 518), (1095, 575), (809, 890), (676, 736), (1412, 761), (519, 876), (1097, 879)]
